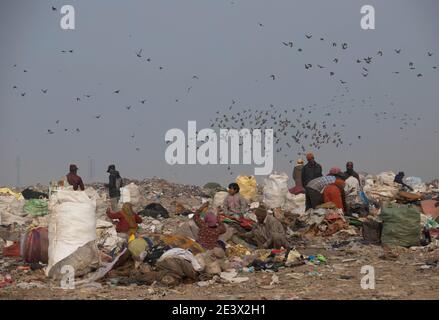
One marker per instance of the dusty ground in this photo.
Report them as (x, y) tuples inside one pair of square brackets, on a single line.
[(407, 277)]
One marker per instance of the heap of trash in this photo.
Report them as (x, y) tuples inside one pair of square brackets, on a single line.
[(61, 230)]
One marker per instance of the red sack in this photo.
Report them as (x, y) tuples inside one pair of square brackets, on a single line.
[(36, 246), (12, 250)]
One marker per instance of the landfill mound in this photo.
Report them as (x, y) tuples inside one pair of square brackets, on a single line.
[(329, 253)]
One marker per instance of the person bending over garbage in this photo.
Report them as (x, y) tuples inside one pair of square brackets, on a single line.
[(314, 190), (209, 230), (268, 233), (234, 203), (128, 220), (399, 179), (335, 191)]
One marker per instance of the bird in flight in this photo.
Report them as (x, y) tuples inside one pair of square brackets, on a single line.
[(77, 130), (419, 75), (161, 68), (117, 91), (128, 107), (273, 76), (53, 8), (49, 131), (398, 51), (149, 59), (87, 95), (139, 54), (308, 36), (429, 54), (195, 77), (260, 24), (78, 99), (57, 121), (137, 149), (335, 60), (380, 53), (142, 101), (288, 44), (331, 73), (23, 94), (344, 46), (98, 116), (343, 82), (44, 90), (15, 87)]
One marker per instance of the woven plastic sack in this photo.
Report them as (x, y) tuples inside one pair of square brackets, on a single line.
[(401, 225)]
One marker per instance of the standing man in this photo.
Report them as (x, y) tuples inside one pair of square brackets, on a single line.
[(350, 171), (310, 171), (114, 185), (73, 179)]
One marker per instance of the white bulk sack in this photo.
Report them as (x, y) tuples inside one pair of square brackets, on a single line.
[(72, 224), (294, 203), (386, 178), (219, 198), (130, 193), (275, 190)]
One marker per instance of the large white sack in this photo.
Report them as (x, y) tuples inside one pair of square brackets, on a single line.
[(386, 178), (294, 203), (275, 190), (12, 205), (219, 198), (416, 183), (72, 224), (130, 193)]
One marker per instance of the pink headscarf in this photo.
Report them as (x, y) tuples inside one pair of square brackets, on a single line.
[(211, 220)]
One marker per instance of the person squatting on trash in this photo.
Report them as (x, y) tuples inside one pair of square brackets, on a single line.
[(267, 233), (210, 228), (128, 220), (114, 185), (73, 179), (234, 203)]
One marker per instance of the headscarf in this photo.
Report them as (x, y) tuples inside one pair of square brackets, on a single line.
[(334, 171), (211, 220), (299, 162)]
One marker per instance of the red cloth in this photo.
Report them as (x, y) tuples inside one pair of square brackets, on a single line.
[(208, 236), (297, 190), (243, 222), (74, 180), (122, 226), (332, 194)]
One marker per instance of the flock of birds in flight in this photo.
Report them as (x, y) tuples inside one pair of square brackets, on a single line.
[(294, 125)]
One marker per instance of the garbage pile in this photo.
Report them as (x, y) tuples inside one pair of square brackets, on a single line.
[(71, 229)]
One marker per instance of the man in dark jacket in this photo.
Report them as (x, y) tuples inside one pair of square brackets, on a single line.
[(114, 185), (310, 171), (350, 172), (399, 178), (73, 179)]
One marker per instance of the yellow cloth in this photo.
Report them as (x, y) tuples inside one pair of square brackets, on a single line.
[(12, 193)]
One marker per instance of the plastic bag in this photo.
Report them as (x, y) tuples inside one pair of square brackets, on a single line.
[(276, 190), (247, 187), (400, 225)]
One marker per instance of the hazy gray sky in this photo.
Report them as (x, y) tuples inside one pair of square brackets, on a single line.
[(222, 43)]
